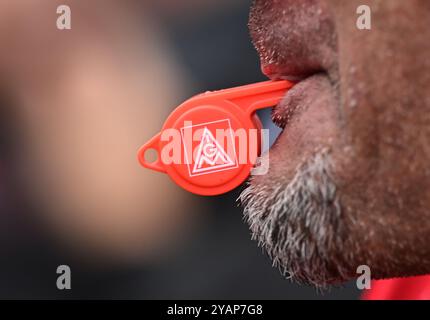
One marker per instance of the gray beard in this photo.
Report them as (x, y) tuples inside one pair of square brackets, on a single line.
[(300, 224)]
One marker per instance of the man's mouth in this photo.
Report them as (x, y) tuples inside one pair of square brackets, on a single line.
[(306, 80), (296, 41)]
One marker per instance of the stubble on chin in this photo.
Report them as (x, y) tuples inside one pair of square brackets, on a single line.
[(300, 224)]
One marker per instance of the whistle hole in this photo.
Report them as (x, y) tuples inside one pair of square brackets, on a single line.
[(151, 156)]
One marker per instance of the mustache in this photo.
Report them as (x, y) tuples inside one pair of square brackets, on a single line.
[(299, 223)]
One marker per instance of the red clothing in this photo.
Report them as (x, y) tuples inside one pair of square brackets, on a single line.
[(414, 288)]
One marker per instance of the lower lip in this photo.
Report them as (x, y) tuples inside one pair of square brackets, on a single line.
[(297, 98)]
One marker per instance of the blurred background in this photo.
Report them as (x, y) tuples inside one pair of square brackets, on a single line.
[(75, 106)]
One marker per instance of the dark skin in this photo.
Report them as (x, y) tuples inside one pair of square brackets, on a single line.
[(370, 107)]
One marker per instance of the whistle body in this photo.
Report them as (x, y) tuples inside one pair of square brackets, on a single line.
[(211, 142)]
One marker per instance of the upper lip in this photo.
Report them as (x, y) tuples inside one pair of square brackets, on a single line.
[(295, 39), (281, 72)]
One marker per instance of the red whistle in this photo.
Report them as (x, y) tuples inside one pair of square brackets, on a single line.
[(211, 142)]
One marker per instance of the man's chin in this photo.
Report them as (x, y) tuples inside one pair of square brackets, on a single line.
[(300, 223)]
